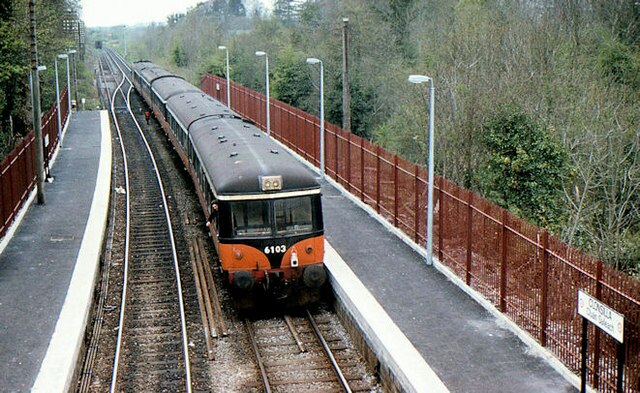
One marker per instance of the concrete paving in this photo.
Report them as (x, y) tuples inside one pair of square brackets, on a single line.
[(468, 348), (37, 264)]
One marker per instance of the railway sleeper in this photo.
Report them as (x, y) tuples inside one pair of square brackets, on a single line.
[(152, 304), (146, 334), (302, 381), (152, 280), (155, 318)]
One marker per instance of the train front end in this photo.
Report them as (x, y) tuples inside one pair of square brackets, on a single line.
[(273, 248)]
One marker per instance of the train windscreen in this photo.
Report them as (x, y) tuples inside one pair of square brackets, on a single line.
[(293, 215), (280, 217)]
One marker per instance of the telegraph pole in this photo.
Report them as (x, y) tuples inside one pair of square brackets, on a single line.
[(37, 123), (346, 97)]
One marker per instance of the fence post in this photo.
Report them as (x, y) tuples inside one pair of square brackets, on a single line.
[(395, 190), (545, 288), (362, 169), (349, 161), (596, 345), (336, 159), (316, 142), (503, 262), (416, 206), (441, 220), (469, 239), (378, 179)]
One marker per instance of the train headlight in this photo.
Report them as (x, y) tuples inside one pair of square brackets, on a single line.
[(294, 259), (271, 183)]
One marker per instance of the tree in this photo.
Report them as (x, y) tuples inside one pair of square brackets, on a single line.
[(14, 56), (178, 56), (286, 10), (398, 14), (526, 168), (291, 82)]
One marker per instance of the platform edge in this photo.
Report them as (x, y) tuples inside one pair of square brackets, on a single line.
[(58, 366), (387, 341)]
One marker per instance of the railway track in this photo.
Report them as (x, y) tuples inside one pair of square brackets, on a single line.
[(305, 354), (152, 352)]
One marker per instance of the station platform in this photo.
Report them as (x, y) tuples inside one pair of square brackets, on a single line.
[(49, 260), (468, 348)]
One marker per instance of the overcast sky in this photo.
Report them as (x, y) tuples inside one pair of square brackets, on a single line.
[(109, 12)]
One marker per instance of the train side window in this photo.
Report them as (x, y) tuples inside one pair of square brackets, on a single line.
[(251, 218)]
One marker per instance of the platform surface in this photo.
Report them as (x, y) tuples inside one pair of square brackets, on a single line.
[(466, 346), (37, 264)]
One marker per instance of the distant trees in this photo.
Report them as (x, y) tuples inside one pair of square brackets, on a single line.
[(287, 10)]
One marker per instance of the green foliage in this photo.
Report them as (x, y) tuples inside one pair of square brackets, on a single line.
[(620, 63), (290, 80), (178, 56), (15, 61), (398, 14), (362, 105), (525, 169), (214, 64)]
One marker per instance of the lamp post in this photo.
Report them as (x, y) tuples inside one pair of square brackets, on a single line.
[(222, 47), (266, 58), (313, 60), (75, 77), (34, 86), (420, 79), (55, 63), (66, 56)]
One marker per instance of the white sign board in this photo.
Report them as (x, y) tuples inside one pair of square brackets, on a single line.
[(601, 315)]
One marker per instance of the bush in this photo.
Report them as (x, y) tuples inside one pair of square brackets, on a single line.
[(526, 167)]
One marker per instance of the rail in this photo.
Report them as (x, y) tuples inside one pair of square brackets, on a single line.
[(528, 274), (149, 316)]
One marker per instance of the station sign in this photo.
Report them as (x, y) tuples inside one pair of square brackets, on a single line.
[(601, 315)]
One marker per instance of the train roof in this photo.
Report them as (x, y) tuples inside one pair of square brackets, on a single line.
[(237, 156), (168, 87), (191, 106), (150, 71)]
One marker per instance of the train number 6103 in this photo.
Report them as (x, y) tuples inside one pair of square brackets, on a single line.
[(275, 249)]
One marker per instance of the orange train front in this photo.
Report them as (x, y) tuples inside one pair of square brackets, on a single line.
[(264, 206)]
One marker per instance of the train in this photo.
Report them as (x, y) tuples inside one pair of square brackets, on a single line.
[(263, 206)]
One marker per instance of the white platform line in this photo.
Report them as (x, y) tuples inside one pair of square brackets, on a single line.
[(57, 369), (388, 342)]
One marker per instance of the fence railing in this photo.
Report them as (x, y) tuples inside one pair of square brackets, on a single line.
[(526, 273), (18, 169)]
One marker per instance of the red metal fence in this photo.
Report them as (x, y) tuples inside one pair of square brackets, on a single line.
[(18, 170), (526, 273)]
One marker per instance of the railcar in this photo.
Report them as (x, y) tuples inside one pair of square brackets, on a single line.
[(263, 207)]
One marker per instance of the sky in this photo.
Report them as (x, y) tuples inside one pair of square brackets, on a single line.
[(98, 13)]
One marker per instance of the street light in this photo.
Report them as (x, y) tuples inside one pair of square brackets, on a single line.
[(40, 158), (55, 63), (75, 77), (266, 58), (420, 79), (313, 60), (222, 47)]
